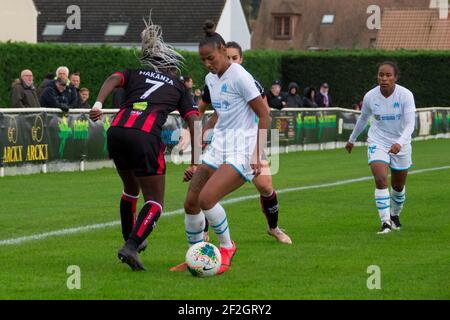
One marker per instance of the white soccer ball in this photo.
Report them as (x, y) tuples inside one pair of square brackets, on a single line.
[(203, 259)]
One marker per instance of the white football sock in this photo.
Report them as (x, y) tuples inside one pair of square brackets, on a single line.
[(382, 201), (217, 219), (194, 224), (397, 201)]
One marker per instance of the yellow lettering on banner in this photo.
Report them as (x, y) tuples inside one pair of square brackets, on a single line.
[(37, 152), (12, 154)]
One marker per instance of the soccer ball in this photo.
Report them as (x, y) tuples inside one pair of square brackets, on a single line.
[(203, 259)]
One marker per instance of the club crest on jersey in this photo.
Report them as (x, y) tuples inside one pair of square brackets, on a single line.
[(224, 88), (396, 105)]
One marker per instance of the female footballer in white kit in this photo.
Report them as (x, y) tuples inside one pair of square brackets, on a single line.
[(389, 141), (234, 155)]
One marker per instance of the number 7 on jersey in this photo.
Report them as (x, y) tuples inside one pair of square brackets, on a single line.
[(153, 88)]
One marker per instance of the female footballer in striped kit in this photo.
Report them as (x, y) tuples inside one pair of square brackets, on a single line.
[(134, 138), (393, 109)]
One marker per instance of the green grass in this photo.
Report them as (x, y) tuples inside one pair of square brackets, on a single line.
[(333, 229)]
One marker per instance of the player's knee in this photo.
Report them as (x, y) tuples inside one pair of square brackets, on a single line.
[(264, 188), (206, 201), (381, 182), (191, 206)]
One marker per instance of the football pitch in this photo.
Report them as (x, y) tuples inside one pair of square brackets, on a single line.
[(53, 221)]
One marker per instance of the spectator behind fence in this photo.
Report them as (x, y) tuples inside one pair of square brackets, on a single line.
[(323, 98), (309, 98), (57, 95), (197, 96), (189, 84), (84, 98), (23, 93), (44, 84), (293, 99), (75, 80), (275, 98)]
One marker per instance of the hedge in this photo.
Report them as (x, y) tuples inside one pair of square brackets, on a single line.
[(349, 73)]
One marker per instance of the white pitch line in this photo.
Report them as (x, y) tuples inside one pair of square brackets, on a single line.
[(81, 229)]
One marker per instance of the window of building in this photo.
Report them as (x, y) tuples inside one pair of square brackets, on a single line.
[(328, 19), (54, 29), (116, 29), (282, 27)]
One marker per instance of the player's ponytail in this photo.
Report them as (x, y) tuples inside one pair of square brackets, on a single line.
[(156, 54), (211, 36)]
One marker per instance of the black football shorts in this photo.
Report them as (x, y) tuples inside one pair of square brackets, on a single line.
[(133, 149)]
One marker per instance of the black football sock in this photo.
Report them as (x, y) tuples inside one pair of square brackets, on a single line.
[(127, 213), (269, 206), (146, 222)]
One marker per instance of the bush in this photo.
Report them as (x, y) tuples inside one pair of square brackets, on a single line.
[(350, 73)]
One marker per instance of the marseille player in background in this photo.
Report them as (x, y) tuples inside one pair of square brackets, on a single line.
[(263, 182), (134, 138), (393, 109), (228, 162)]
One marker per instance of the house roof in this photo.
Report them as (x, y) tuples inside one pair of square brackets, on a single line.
[(181, 20), (348, 30), (413, 29)]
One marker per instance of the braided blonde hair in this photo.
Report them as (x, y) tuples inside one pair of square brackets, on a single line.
[(156, 54)]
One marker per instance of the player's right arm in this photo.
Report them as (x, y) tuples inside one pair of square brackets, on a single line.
[(360, 124), (113, 81)]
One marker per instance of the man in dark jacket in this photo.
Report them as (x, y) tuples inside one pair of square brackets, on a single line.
[(24, 94), (293, 100), (275, 98), (57, 95), (323, 98)]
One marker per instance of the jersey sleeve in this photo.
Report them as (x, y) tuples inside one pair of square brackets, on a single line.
[(246, 86), (366, 109), (186, 106), (206, 96), (409, 105), (260, 88), (125, 75)]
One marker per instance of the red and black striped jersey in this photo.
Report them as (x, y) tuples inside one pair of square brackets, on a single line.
[(149, 98)]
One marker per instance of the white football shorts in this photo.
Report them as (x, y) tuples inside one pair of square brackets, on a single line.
[(399, 161)]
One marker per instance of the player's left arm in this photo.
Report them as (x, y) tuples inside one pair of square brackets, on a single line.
[(409, 121), (250, 91), (261, 110)]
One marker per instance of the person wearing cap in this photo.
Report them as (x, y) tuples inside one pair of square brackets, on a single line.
[(23, 93), (323, 98), (275, 98), (56, 95)]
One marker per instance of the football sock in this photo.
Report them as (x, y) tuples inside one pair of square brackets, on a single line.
[(269, 206), (397, 201), (218, 220), (146, 222), (382, 202), (194, 223), (206, 225), (127, 213)]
